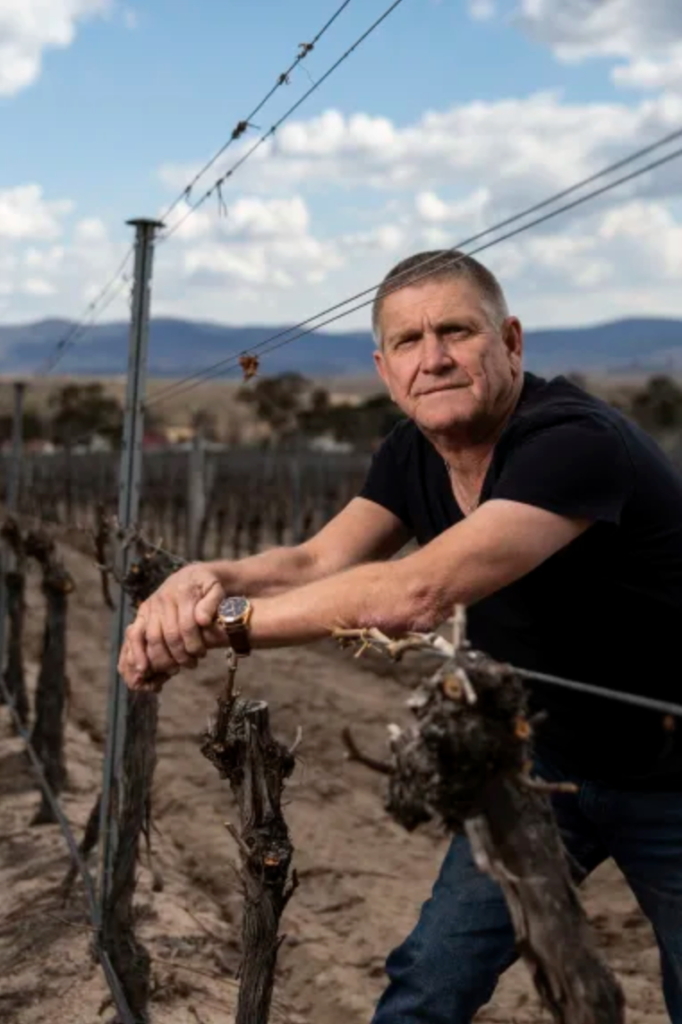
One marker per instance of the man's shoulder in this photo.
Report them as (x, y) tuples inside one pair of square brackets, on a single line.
[(557, 401)]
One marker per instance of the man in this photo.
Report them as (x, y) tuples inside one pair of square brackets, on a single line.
[(560, 524)]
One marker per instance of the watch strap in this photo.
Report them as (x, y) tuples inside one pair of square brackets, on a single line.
[(238, 637)]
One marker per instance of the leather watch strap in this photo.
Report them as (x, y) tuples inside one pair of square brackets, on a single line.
[(239, 640)]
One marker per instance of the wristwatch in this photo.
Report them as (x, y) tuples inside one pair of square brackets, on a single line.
[(234, 614)]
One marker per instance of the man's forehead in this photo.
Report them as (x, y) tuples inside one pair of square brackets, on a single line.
[(430, 299)]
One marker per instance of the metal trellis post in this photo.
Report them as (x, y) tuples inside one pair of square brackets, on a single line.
[(128, 506)]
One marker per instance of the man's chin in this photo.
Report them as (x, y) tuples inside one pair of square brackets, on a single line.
[(441, 417)]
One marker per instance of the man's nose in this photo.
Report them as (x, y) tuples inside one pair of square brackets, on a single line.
[(435, 354)]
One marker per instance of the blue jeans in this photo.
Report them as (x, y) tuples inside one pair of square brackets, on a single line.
[(449, 966)]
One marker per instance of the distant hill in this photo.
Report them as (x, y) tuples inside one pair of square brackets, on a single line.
[(179, 347)]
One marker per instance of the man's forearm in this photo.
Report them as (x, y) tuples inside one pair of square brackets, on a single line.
[(270, 572)]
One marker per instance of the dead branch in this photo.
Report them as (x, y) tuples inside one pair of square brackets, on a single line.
[(465, 761), (240, 745)]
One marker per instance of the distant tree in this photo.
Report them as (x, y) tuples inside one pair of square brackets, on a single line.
[(658, 405), (80, 411), (360, 425), (278, 401), (34, 427), (205, 423)]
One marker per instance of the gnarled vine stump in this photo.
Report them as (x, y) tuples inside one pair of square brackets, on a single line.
[(240, 745), (47, 737), (465, 761), (15, 585)]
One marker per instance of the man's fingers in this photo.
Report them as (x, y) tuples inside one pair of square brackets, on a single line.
[(191, 633), (165, 631), (159, 656), (206, 608), (136, 645)]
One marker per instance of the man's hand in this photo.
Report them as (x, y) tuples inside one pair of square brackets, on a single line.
[(172, 629)]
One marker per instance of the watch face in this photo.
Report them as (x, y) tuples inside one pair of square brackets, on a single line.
[(231, 609)]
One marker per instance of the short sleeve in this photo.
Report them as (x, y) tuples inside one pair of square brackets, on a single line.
[(579, 468), (386, 482)]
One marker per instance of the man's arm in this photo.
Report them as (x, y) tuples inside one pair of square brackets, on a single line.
[(168, 623), (501, 542), (363, 531)]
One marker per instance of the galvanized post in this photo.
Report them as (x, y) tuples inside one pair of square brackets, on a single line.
[(11, 504), (128, 507)]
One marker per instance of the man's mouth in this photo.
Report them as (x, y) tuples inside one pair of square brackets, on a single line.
[(447, 387)]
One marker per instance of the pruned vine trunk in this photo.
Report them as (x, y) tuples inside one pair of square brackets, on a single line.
[(15, 585), (465, 761), (515, 840), (239, 743), (47, 737), (85, 847), (128, 956)]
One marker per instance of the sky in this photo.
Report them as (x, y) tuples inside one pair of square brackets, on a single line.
[(452, 116)]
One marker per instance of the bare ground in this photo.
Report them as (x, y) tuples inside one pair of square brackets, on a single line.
[(362, 878)]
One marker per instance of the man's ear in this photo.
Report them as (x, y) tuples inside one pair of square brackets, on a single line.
[(380, 364), (512, 333)]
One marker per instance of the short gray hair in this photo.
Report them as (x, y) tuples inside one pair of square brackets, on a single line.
[(438, 265)]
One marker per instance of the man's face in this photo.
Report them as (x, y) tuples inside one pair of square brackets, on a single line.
[(441, 358)]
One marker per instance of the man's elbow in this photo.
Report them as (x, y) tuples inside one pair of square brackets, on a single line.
[(412, 606)]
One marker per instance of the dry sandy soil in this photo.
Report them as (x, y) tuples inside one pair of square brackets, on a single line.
[(362, 877)]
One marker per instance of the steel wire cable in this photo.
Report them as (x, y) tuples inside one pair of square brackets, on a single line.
[(93, 311), (216, 187), (305, 49), (285, 337), (65, 343)]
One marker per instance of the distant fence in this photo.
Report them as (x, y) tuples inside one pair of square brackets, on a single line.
[(202, 502)]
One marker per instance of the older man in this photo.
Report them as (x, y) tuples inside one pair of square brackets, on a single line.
[(560, 524)]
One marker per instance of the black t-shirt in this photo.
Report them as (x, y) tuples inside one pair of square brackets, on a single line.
[(606, 609)]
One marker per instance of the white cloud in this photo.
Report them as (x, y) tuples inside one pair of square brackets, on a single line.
[(646, 33), (24, 214), (29, 27), (91, 229), (522, 148), (338, 199), (665, 72), (431, 207), (482, 10), (38, 287)]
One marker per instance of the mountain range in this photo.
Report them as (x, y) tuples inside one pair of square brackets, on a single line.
[(181, 347)]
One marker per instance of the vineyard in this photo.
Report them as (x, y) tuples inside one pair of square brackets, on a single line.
[(360, 876), (201, 502)]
